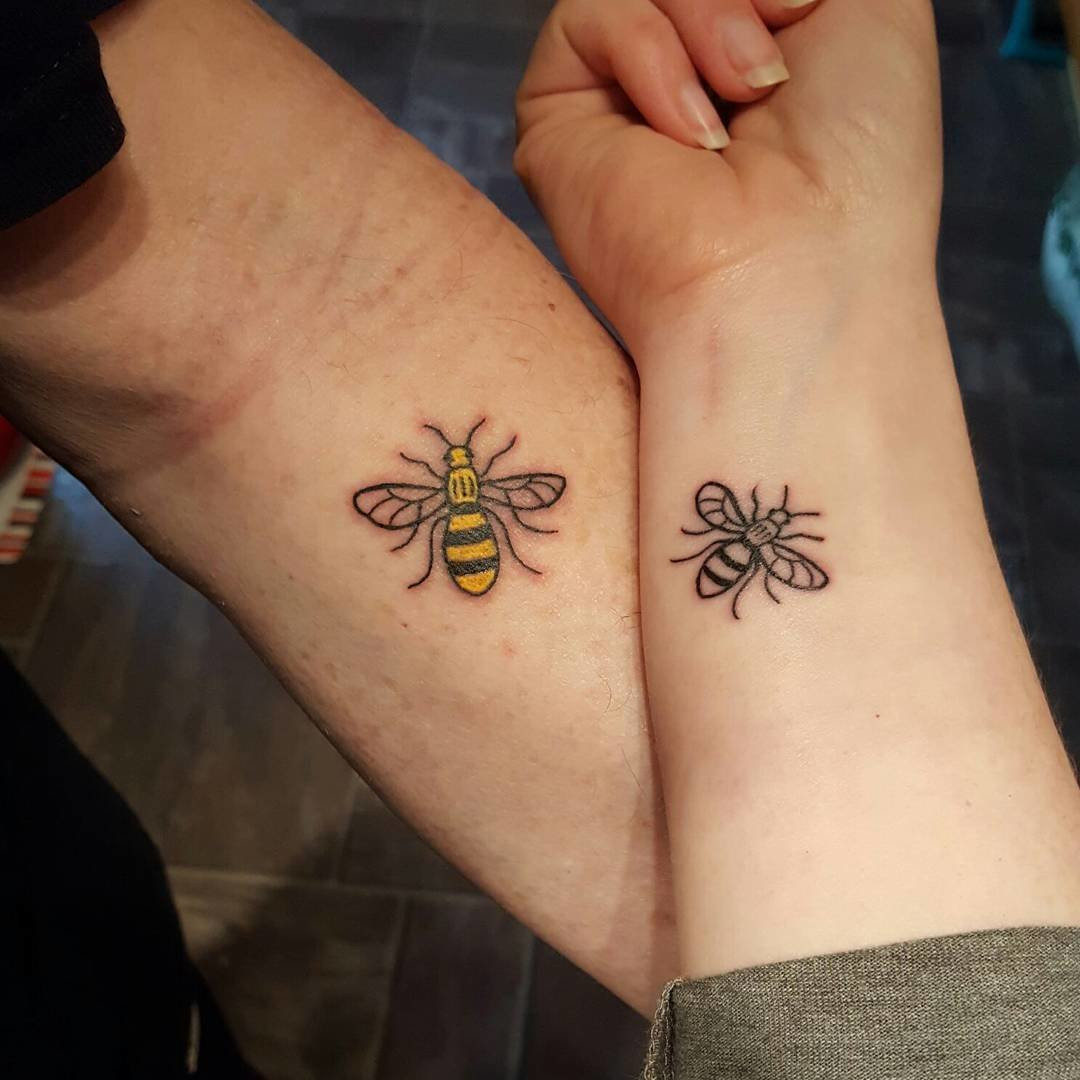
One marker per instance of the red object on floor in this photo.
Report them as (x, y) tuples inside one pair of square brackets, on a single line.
[(11, 446), (25, 476)]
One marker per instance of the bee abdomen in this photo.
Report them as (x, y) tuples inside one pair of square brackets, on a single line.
[(470, 550), (724, 568)]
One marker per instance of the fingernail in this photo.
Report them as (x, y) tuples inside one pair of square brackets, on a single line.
[(708, 128), (796, 3), (753, 52)]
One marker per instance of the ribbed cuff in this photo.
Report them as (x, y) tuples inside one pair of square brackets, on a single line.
[(988, 1005)]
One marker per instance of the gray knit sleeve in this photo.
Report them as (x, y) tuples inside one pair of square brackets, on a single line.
[(989, 1005)]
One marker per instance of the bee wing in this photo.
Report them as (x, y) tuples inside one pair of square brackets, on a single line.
[(791, 568), (717, 505), (399, 506), (529, 491)]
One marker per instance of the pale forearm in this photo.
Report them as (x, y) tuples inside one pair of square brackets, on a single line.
[(871, 759)]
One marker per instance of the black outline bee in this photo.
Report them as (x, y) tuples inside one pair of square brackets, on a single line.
[(746, 546), (467, 503)]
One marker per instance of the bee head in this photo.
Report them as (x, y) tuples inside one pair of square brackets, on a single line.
[(458, 457), (779, 517)]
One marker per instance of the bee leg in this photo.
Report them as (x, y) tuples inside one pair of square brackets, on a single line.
[(510, 543), (525, 525), (431, 552), (800, 536), (710, 548), (772, 596), (408, 539), (742, 588), (424, 465)]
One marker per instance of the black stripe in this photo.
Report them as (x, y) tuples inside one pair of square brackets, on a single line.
[(468, 536), (465, 508), (723, 583), (473, 566), (728, 561)]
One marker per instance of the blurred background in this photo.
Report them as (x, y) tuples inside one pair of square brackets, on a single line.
[(338, 944)]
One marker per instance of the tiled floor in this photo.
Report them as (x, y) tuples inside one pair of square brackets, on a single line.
[(339, 944)]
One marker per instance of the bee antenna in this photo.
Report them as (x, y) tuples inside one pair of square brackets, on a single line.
[(432, 427), (783, 505), (473, 430)]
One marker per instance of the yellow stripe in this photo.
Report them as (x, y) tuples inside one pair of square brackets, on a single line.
[(466, 552), (476, 583), (461, 522)]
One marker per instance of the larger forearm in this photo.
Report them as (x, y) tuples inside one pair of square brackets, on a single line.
[(280, 290), (871, 758)]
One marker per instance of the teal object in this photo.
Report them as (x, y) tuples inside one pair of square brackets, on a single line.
[(1020, 42), (1061, 255)]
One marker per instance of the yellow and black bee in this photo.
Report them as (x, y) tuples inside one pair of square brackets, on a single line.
[(743, 546), (466, 504)]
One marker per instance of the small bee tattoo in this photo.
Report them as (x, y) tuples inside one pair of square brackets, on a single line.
[(742, 547), (466, 505)]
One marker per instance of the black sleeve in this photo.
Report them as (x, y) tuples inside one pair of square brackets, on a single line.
[(58, 124)]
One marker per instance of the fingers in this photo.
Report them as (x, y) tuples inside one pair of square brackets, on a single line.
[(730, 42), (634, 44), (654, 50)]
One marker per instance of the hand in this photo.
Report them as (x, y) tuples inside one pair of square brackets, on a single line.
[(831, 180)]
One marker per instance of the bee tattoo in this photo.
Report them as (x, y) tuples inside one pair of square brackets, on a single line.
[(743, 547), (465, 505)]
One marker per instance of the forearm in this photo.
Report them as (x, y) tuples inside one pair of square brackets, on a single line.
[(280, 291), (871, 759)]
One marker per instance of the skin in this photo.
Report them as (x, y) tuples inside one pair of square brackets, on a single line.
[(875, 761), (244, 319)]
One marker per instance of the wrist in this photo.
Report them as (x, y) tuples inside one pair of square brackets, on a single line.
[(782, 319)]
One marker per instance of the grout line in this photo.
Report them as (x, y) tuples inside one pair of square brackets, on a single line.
[(426, 24), (404, 915), (519, 1027), (247, 877), (61, 568), (337, 871)]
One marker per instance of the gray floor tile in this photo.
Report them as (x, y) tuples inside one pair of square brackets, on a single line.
[(459, 993), (461, 99), (26, 588), (578, 1029), (474, 144), (1009, 133), (508, 193), (991, 281), (996, 360), (1049, 454), (1046, 428), (1053, 503), (284, 12), (1059, 666), (1016, 569), (302, 972), (384, 10), (381, 850), (969, 22), (75, 527), (172, 705), (993, 445), (528, 14), (375, 55)]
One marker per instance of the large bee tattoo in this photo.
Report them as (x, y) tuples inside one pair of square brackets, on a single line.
[(742, 547), (466, 505)]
